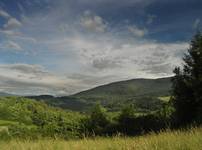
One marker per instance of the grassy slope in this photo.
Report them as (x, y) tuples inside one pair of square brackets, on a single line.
[(177, 140)]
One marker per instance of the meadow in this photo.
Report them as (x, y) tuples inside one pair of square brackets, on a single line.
[(165, 140)]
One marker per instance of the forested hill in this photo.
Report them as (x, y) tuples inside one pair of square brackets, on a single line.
[(130, 88), (144, 93)]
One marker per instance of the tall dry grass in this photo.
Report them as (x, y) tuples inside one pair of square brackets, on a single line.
[(168, 140)]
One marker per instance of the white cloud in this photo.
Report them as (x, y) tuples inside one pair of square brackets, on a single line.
[(9, 32), (17, 35), (109, 56), (13, 45), (10, 45), (81, 59), (196, 23), (28, 79), (26, 68), (137, 31), (93, 22), (12, 24), (4, 14), (9, 28)]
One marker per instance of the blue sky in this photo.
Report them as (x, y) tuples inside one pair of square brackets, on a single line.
[(65, 46)]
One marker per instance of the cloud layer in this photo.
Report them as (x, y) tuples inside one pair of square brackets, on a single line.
[(62, 47)]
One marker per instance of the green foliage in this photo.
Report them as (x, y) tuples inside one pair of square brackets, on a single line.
[(29, 119), (26, 118), (97, 121), (22, 131), (131, 124), (187, 85), (127, 113), (166, 111), (126, 119), (98, 116)]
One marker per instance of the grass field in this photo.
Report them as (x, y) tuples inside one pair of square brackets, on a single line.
[(176, 140)]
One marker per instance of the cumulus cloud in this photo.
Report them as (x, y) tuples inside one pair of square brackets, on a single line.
[(103, 63), (163, 69), (36, 70), (32, 79), (13, 45), (9, 28), (10, 46), (12, 24), (137, 31), (10, 32), (76, 58), (87, 81), (109, 56), (4, 14), (93, 22)]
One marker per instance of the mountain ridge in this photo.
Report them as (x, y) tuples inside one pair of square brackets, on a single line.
[(144, 93)]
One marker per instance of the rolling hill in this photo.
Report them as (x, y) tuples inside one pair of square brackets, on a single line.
[(144, 93), (125, 90)]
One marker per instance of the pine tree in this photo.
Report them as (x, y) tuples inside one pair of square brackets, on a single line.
[(187, 85)]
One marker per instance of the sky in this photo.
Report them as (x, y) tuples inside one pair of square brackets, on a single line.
[(61, 47)]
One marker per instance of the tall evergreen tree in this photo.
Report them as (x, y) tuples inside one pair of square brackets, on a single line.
[(187, 85)]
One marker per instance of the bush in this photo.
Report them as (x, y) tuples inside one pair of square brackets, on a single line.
[(23, 132), (97, 122)]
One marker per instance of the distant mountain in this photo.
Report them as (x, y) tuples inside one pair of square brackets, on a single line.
[(5, 94), (129, 88), (144, 93)]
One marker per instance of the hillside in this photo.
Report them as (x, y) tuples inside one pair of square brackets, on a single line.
[(135, 87), (144, 93)]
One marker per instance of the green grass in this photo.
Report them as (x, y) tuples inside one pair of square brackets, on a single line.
[(175, 140), (164, 98), (7, 122)]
